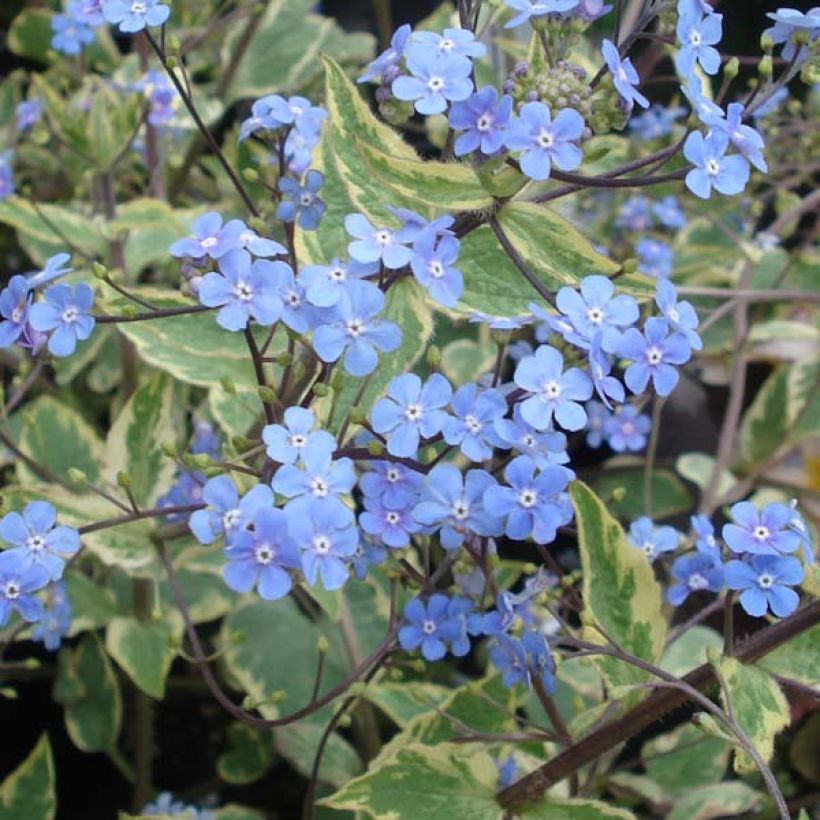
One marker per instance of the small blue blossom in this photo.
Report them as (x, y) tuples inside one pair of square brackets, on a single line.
[(534, 504), (508, 655), (388, 61), (527, 9), (458, 41), (698, 36), (624, 76), (432, 265), (53, 269), (301, 201), (705, 109), (437, 78), (320, 483), (27, 114), (411, 411), (226, 514), (635, 213), (713, 169), (392, 485), (390, 525), (162, 96), (324, 284), (428, 627), (508, 772), (69, 35), (289, 442), (297, 313), (327, 540), (798, 526), (656, 122), (547, 447), (454, 503), (38, 539), (210, 237), (375, 244), (544, 141), (367, 555), (743, 138), (705, 541), (766, 532), (590, 10), (483, 119), (19, 581), (606, 386), (6, 175), (355, 331), (787, 23), (626, 430), (262, 557), (472, 426), (694, 572), (244, 290), (651, 540), (770, 105), (135, 15), (669, 213), (765, 583), (597, 416), (166, 805), (15, 302), (55, 622), (259, 245), (65, 315), (414, 225), (88, 12), (681, 316), (554, 392), (653, 354), (656, 258)]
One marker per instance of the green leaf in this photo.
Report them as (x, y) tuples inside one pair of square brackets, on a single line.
[(134, 444), (759, 707), (729, 799), (94, 719), (299, 743), (424, 783), (669, 494), (798, 659), (235, 413), (574, 810), (685, 759), (247, 757), (703, 253), (284, 51), (57, 437), (145, 650), (689, 650), (698, 468), (29, 792), (463, 360), (451, 186), (207, 595), (620, 591), (92, 606), (402, 702)]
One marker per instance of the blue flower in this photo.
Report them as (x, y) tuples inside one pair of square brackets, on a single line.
[(788, 23), (392, 485), (290, 442), (453, 41), (705, 541), (355, 330), (428, 627), (624, 76), (534, 505), (53, 269), (472, 426), (596, 309), (162, 97), (301, 202), (547, 447), (483, 118), (297, 314), (389, 59), (544, 141), (653, 353), (760, 533), (366, 556), (267, 114), (37, 538), (606, 386), (55, 622), (527, 9), (539, 658), (437, 78), (626, 429), (375, 244), (19, 581), (798, 526), (210, 237), (713, 169), (597, 416), (244, 290), (27, 114), (743, 138), (6, 175), (69, 35), (454, 503), (390, 525), (414, 225), (656, 122), (655, 257), (590, 10), (262, 557), (705, 109), (669, 213), (651, 540), (694, 572), (135, 15), (15, 303), (681, 316), (87, 11), (324, 284), (766, 581), (510, 658), (258, 245), (411, 412), (226, 514), (318, 484), (508, 772), (698, 36), (432, 265), (327, 541), (635, 214), (553, 391), (64, 313)]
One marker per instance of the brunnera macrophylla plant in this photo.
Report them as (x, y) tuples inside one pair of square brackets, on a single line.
[(393, 453)]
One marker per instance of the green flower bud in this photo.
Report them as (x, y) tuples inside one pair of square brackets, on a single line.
[(76, 476), (250, 174), (129, 310), (321, 390), (124, 480), (99, 270), (434, 357), (228, 385)]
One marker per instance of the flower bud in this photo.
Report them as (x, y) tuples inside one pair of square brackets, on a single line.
[(169, 449), (250, 174), (764, 67), (322, 645), (124, 480), (434, 357), (321, 390), (267, 394), (228, 385), (129, 310), (731, 69), (76, 476), (100, 271)]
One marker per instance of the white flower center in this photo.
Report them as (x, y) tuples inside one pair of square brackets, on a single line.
[(413, 412), (383, 238), (392, 475), (318, 486), (355, 328), (306, 199), (138, 7), (292, 298), (761, 533), (546, 139), (527, 498), (694, 38), (12, 590), (209, 242), (765, 581), (321, 543), (528, 440), (70, 315), (627, 428), (428, 627), (230, 519), (435, 84), (298, 441), (337, 274), (697, 581), (436, 269), (712, 167), (550, 391), (392, 518), (673, 314), (484, 122), (472, 424), (595, 315), (243, 291), (461, 509), (36, 543), (263, 554), (648, 549), (17, 314), (654, 356)]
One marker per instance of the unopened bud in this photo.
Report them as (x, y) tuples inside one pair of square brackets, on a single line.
[(357, 689), (267, 394), (731, 69), (618, 494), (250, 174), (129, 310), (766, 42), (375, 448), (278, 696), (228, 385), (169, 449), (174, 44), (76, 476), (357, 416), (243, 443), (100, 271), (212, 472), (434, 357), (322, 644), (201, 460), (321, 390), (344, 721), (764, 67), (257, 224), (284, 359), (124, 480), (171, 63)]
